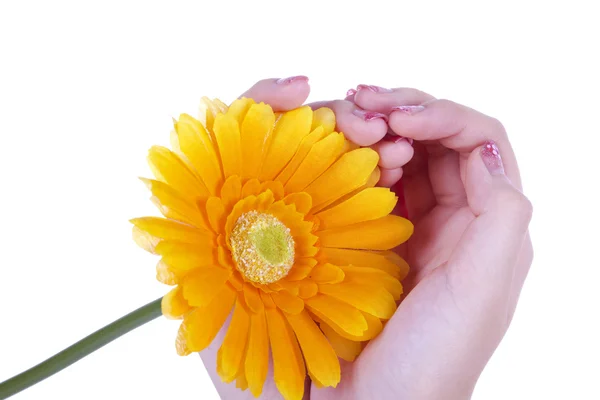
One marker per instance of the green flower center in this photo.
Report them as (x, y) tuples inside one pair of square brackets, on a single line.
[(262, 247)]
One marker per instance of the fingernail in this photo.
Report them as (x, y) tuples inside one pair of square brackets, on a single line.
[(374, 89), (350, 92), (410, 110), (491, 158), (369, 115), (397, 139), (298, 78)]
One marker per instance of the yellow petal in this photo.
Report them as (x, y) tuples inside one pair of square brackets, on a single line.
[(288, 364), (307, 289), (203, 324), (289, 131), (180, 342), (232, 350), (209, 109), (275, 187), (350, 172), (321, 360), (257, 354), (238, 109), (327, 273), (197, 146), (201, 286), (373, 300), (371, 182), (173, 305), (252, 298), (369, 204), (251, 188), (266, 299), (180, 258), (256, 133), (174, 205), (373, 277), (379, 234), (301, 200), (227, 133), (374, 327), (169, 168), (320, 157), (165, 274), (231, 192), (172, 230), (305, 145), (325, 118), (145, 240), (387, 261), (216, 214), (288, 302), (240, 381), (345, 349), (344, 316)]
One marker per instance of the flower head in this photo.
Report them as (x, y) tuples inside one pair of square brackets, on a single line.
[(275, 218)]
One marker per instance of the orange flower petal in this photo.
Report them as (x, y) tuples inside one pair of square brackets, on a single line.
[(275, 187), (169, 168), (202, 285), (289, 131), (257, 353), (180, 258), (288, 302), (201, 325), (374, 327), (174, 205), (173, 305), (301, 200), (251, 188), (227, 133), (373, 300), (196, 144), (320, 157), (303, 149), (231, 192), (216, 214), (321, 361), (327, 273), (252, 298), (230, 355), (374, 277), (350, 172), (387, 261), (256, 131), (172, 230), (238, 109), (380, 234), (344, 316), (307, 289), (346, 349), (288, 364), (369, 204)]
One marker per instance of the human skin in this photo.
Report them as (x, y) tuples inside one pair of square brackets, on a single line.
[(469, 255)]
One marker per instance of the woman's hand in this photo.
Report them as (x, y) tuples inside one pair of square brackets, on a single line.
[(469, 255)]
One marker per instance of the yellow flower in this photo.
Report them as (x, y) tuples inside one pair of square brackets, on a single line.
[(274, 216)]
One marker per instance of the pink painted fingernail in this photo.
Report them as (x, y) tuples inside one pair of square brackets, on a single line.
[(298, 78), (410, 110), (491, 158), (369, 115), (350, 92), (397, 139), (374, 89)]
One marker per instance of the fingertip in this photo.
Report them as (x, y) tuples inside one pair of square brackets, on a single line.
[(281, 94), (389, 177), (361, 127), (394, 154)]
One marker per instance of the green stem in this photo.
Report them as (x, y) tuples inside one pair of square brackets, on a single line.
[(80, 349)]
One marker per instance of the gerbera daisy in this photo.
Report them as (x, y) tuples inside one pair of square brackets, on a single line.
[(275, 218)]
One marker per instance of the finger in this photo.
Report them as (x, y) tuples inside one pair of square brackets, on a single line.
[(375, 98), (481, 269), (420, 198), (281, 94), (359, 126), (389, 177), (393, 154), (456, 127)]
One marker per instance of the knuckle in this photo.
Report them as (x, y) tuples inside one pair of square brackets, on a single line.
[(518, 204)]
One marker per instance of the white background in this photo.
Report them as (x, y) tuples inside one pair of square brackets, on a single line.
[(87, 87)]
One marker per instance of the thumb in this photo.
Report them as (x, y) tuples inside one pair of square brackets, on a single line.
[(483, 262)]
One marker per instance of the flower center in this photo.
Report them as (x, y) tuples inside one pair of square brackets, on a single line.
[(262, 247)]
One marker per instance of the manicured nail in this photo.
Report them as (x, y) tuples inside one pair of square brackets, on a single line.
[(350, 92), (369, 115), (397, 139), (374, 89), (491, 158), (285, 81), (410, 110)]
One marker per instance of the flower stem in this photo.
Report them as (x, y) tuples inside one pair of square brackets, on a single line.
[(80, 349)]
